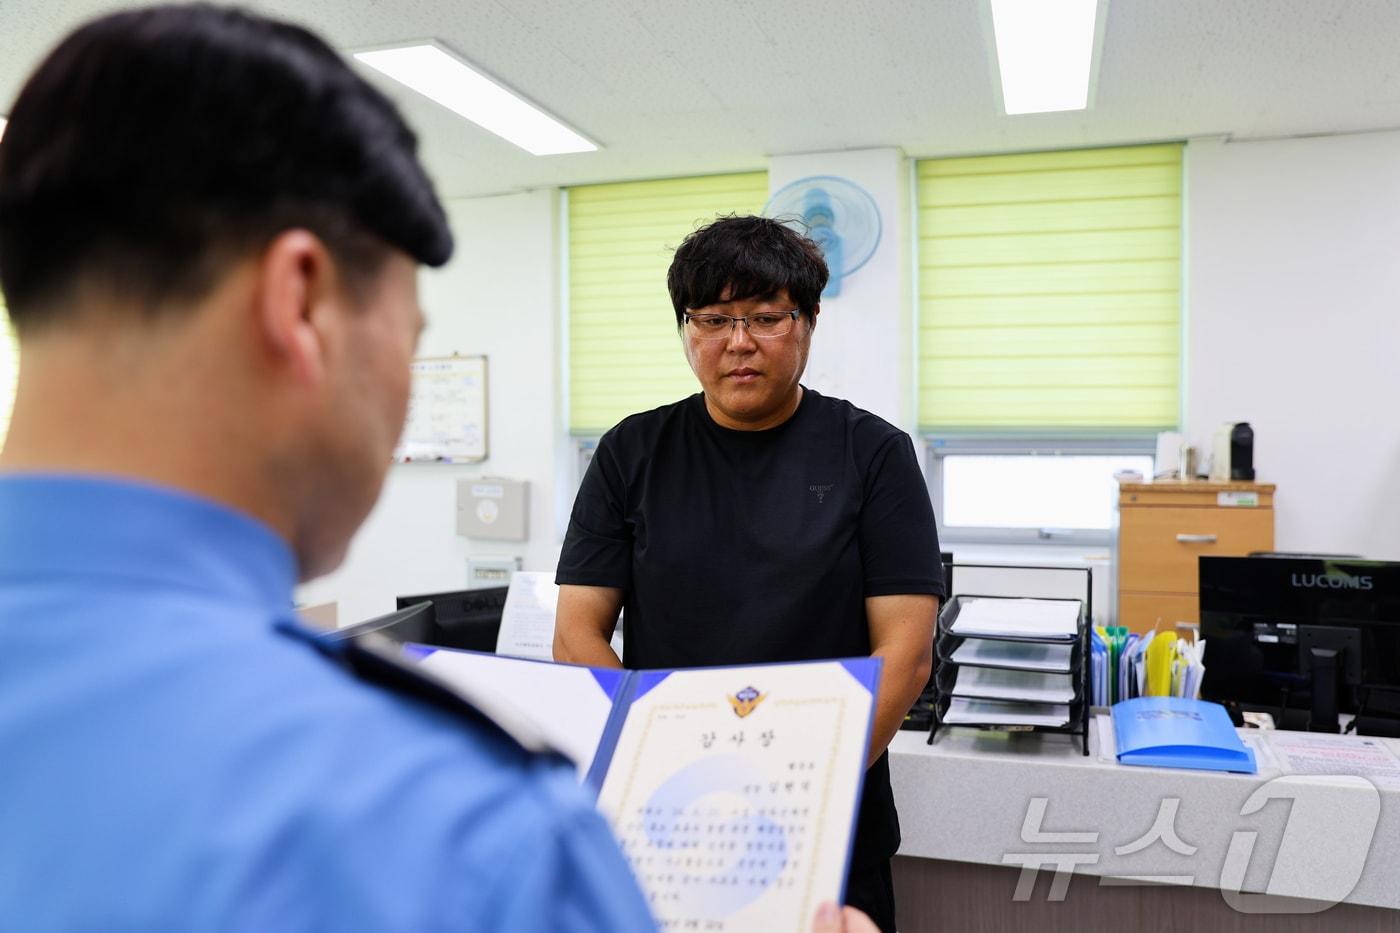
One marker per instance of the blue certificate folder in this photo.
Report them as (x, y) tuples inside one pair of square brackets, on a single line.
[(1174, 732), (733, 791), (537, 690)]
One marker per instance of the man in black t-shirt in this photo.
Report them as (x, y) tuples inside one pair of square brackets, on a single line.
[(759, 521)]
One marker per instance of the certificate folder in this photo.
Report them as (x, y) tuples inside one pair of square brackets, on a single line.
[(1174, 732), (732, 790)]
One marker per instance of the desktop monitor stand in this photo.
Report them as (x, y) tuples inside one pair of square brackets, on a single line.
[(1324, 691)]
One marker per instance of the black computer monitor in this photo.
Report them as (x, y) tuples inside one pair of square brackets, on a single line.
[(1303, 639), (468, 619), (408, 623)]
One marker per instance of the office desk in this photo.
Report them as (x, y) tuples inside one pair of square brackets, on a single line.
[(976, 807)]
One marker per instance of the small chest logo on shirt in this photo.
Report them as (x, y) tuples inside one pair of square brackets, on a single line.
[(821, 491)]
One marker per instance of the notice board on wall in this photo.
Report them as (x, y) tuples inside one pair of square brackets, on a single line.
[(446, 412)]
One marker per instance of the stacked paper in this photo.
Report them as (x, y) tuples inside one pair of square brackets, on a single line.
[(1018, 618), (1012, 661), (1031, 686), (1004, 713), (1025, 656)]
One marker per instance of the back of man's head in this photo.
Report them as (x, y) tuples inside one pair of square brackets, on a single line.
[(153, 146)]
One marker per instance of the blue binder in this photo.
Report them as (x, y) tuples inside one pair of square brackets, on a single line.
[(1174, 732)]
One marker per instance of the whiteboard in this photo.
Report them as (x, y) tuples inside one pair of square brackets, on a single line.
[(446, 411)]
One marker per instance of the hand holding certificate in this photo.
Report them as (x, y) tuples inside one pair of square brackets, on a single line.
[(732, 791)]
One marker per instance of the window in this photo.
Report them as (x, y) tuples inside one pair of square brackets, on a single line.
[(624, 354), (1049, 334), (583, 456), (1022, 491)]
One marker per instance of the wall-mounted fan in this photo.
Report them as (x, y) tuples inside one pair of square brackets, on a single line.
[(837, 214)]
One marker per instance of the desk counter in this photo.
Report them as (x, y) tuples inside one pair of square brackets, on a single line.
[(1027, 801)]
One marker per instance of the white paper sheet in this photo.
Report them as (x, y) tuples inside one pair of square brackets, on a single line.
[(616, 643), (1041, 618), (1034, 686), (1324, 754), (565, 703), (1023, 655), (740, 822), (527, 619), (1001, 713)]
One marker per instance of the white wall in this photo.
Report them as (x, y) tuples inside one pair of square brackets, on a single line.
[(861, 350), (499, 296), (1293, 291)]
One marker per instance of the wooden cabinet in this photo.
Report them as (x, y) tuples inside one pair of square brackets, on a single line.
[(1164, 527)]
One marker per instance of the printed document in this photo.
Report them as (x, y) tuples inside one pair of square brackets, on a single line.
[(732, 791), (527, 620), (1322, 753)]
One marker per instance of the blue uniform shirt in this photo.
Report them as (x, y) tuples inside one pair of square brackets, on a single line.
[(170, 760)]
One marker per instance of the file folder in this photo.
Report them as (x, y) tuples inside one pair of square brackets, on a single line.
[(769, 755), (1175, 732)]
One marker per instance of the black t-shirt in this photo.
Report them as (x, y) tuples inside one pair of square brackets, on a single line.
[(745, 547)]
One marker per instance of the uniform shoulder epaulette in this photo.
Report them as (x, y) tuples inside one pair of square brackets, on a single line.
[(379, 660)]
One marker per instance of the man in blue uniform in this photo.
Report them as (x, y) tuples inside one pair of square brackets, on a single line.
[(758, 520), (209, 235)]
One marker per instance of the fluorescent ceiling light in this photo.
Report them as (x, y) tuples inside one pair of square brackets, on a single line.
[(1045, 50), (443, 77)]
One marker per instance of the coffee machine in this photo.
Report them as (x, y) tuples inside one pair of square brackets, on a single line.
[(1233, 455)]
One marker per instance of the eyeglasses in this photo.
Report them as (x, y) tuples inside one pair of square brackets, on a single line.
[(719, 326)]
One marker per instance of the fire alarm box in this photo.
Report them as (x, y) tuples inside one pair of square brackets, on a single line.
[(493, 507)]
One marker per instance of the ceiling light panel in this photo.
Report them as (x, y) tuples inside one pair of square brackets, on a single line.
[(443, 77), (1045, 52)]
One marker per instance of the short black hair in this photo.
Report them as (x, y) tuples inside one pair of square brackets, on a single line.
[(740, 258), (152, 145)]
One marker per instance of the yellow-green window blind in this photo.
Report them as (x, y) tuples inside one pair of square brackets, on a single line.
[(624, 353), (1050, 290), (9, 372)]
